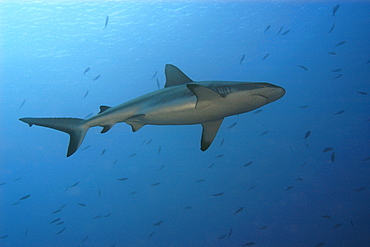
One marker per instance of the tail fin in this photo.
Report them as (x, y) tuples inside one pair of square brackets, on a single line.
[(72, 126)]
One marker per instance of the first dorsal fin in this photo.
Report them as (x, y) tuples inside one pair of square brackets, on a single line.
[(103, 108), (175, 77)]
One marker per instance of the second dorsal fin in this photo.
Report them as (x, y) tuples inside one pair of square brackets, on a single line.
[(103, 108)]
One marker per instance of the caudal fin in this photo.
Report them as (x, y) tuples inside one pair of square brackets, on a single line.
[(72, 126)]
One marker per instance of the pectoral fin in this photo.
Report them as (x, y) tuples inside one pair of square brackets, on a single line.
[(209, 133), (205, 96)]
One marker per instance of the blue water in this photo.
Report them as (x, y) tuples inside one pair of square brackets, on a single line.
[(292, 194)]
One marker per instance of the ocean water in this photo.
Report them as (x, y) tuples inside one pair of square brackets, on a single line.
[(293, 173)]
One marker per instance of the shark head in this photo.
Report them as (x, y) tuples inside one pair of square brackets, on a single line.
[(268, 91), (242, 97)]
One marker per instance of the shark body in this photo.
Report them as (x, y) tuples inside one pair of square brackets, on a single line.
[(181, 102)]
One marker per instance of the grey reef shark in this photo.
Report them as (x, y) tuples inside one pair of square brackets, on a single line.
[(182, 101)]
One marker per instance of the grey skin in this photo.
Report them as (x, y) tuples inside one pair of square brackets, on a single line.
[(181, 102)]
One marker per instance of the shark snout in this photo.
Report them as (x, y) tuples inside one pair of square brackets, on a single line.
[(273, 92)]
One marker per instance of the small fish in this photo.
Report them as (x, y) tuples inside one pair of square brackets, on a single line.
[(267, 28), (83, 240), (24, 197), (266, 56), (326, 216), (97, 77), (158, 84), (222, 142), (232, 125), (96, 217), (2, 183), (304, 106), (289, 187), (150, 235), (251, 188), (63, 206), (222, 237), (328, 149), (218, 194), (26, 233), (263, 227), (360, 189), (56, 220), (200, 180), (351, 223), (332, 53), (340, 43), (102, 152), (366, 159), (320, 244), (303, 164), (188, 207), (337, 225), (239, 210), (285, 33), (332, 28), (219, 156), (248, 164), (56, 211), (22, 104), (158, 223), (155, 74), (60, 231), (336, 70), (303, 67), (281, 29), (308, 133), (86, 70), (299, 179), (133, 192), (362, 93), (160, 168), (81, 204), (249, 244), (332, 158), (107, 215), (258, 111), (16, 203), (84, 148), (74, 185), (242, 59), (59, 223), (132, 155), (4, 236), (150, 141), (264, 133), (338, 76), (106, 22), (87, 92), (155, 184), (230, 232), (210, 165), (335, 9), (339, 112), (122, 179)]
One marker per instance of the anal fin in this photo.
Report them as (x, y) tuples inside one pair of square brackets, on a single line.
[(209, 133)]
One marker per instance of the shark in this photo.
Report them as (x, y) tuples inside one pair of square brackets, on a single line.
[(182, 101)]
